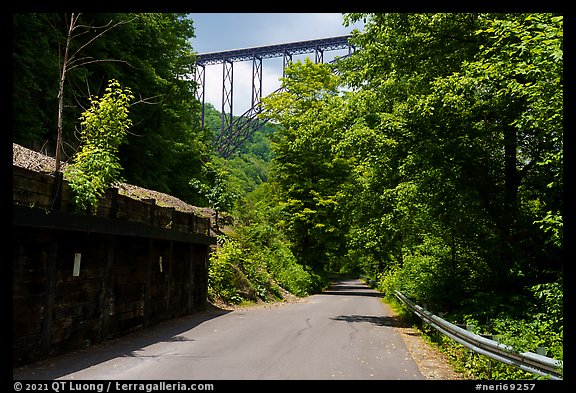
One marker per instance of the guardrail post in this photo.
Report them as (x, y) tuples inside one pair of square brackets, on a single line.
[(541, 351)]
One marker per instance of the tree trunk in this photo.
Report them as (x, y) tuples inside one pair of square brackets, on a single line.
[(61, 93), (510, 203)]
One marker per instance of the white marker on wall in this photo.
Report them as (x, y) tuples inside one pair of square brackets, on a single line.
[(77, 258)]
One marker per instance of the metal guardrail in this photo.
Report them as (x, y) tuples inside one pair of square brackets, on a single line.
[(527, 361)]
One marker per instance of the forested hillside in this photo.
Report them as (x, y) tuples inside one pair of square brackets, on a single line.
[(150, 54), (430, 160)]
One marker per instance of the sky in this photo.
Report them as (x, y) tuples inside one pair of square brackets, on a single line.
[(216, 32)]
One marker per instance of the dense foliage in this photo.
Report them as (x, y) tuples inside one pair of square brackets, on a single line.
[(430, 160), (150, 54), (255, 258), (433, 163)]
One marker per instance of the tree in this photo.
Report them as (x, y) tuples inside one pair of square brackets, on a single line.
[(503, 116), (34, 86), (309, 111), (166, 147), (71, 60), (152, 55), (470, 108), (97, 166), (218, 191)]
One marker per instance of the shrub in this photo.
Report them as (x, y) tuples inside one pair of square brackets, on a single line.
[(96, 166)]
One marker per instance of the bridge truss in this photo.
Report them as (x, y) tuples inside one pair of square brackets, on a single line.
[(234, 132)]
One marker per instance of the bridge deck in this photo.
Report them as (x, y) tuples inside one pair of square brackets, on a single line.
[(278, 50)]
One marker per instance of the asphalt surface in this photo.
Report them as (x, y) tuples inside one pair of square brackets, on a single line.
[(343, 333)]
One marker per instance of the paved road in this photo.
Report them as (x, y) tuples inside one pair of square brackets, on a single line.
[(343, 333)]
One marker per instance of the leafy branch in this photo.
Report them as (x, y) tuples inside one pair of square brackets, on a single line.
[(96, 166), (71, 61)]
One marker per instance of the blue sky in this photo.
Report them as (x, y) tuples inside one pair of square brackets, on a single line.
[(217, 32)]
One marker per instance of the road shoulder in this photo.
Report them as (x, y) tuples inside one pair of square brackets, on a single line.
[(433, 364)]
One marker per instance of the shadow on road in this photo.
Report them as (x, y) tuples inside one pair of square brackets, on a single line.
[(354, 287), (351, 288), (393, 321), (124, 346), (352, 293)]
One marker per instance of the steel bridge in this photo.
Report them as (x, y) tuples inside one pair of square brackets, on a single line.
[(234, 132)]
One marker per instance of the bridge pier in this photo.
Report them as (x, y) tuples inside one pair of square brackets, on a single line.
[(256, 80), (200, 79), (227, 95)]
